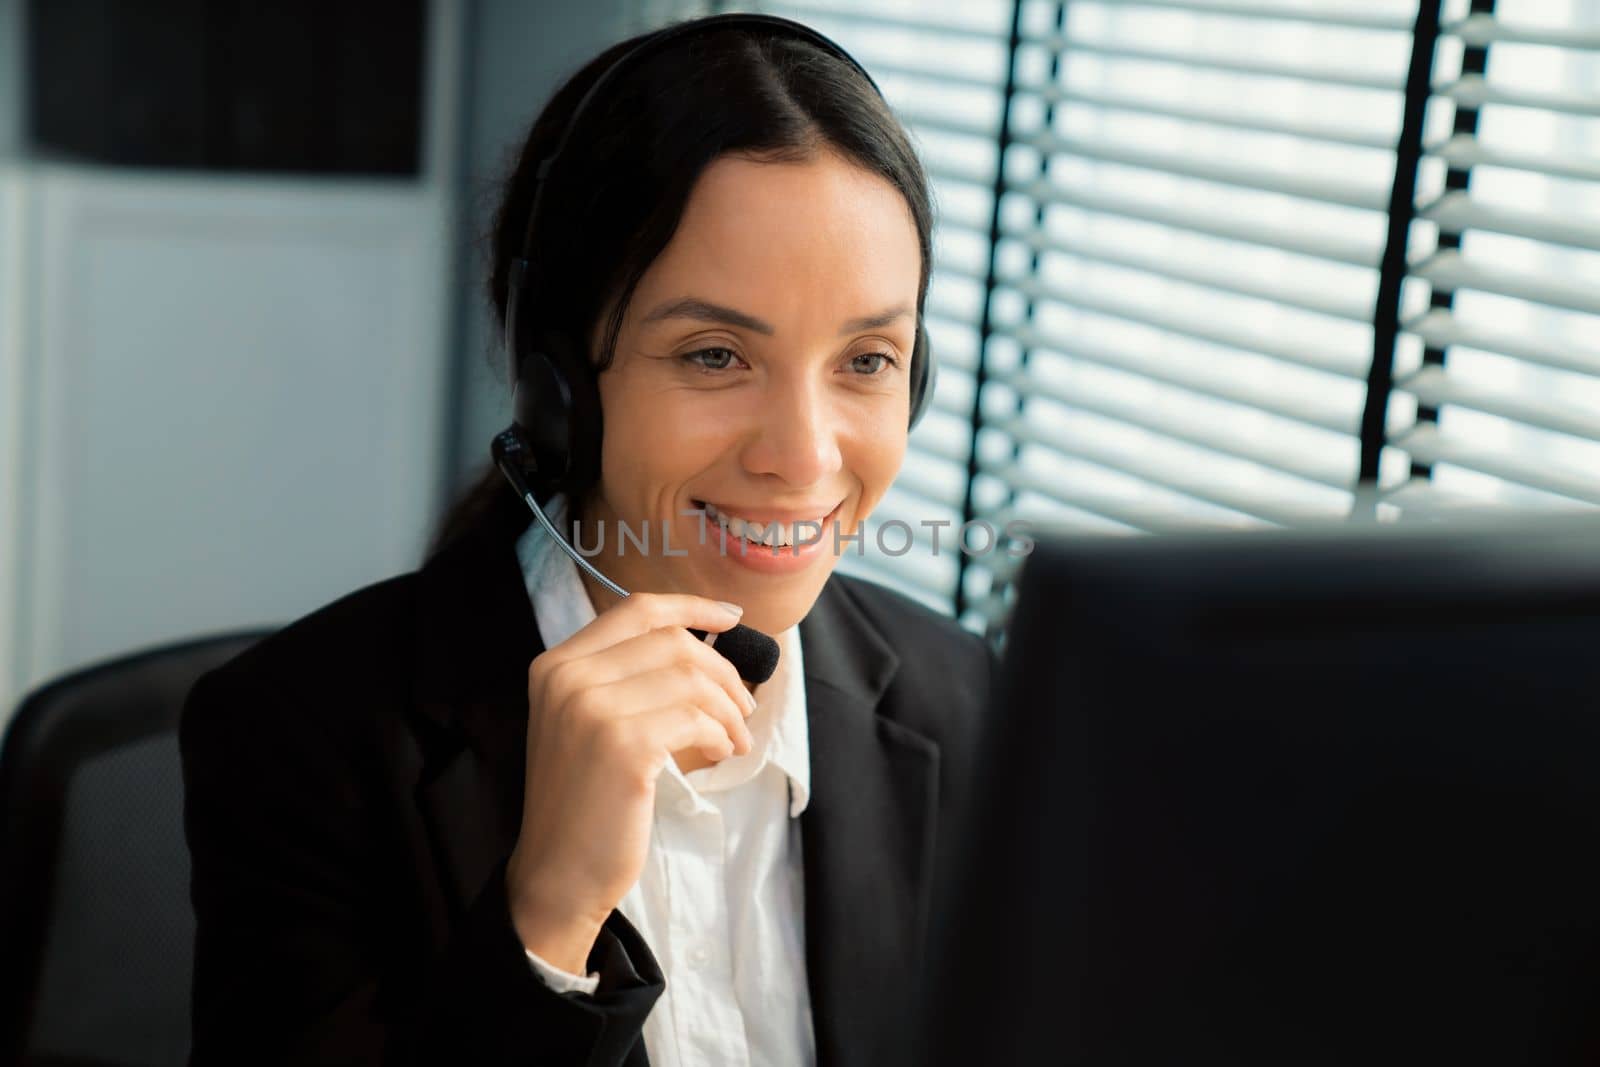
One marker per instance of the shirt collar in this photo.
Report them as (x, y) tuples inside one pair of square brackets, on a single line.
[(561, 608)]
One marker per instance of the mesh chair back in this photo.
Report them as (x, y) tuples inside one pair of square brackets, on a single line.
[(96, 932)]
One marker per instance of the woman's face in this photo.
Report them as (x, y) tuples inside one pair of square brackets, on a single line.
[(763, 369)]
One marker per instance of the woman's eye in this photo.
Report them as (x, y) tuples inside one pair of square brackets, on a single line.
[(875, 368), (717, 359)]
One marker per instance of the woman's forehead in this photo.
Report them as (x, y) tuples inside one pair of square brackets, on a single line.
[(823, 196), (819, 229)]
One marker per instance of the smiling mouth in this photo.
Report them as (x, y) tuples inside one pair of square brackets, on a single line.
[(769, 534)]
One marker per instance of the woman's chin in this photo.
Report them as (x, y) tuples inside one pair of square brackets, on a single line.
[(772, 614)]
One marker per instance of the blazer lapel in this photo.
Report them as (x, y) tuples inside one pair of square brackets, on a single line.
[(476, 637), (866, 836)]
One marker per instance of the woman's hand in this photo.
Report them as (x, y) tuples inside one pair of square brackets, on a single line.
[(606, 709)]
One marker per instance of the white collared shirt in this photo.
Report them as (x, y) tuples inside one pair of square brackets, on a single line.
[(721, 898)]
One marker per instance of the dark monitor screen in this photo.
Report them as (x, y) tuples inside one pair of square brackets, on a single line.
[(1285, 798)]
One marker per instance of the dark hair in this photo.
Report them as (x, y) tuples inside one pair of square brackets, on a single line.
[(616, 195)]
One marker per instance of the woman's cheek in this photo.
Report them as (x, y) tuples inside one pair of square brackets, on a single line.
[(878, 458)]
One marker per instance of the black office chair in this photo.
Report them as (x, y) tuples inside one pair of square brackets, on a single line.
[(96, 931)]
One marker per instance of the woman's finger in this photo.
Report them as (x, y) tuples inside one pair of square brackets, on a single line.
[(659, 648), (642, 612), (676, 683), (672, 727)]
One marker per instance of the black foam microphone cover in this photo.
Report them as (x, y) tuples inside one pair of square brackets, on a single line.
[(753, 654)]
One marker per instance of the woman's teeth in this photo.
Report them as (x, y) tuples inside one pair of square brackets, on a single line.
[(772, 534)]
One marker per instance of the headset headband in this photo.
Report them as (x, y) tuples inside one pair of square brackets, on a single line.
[(650, 45)]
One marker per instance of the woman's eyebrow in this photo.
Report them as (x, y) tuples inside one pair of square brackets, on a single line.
[(690, 307)]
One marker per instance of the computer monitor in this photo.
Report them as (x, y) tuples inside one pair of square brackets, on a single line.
[(1284, 798)]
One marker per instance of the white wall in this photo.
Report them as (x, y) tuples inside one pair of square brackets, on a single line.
[(11, 416), (11, 275), (236, 388), (226, 395)]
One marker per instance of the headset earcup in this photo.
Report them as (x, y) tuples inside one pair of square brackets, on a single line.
[(579, 417), (924, 376), (541, 399), (542, 408)]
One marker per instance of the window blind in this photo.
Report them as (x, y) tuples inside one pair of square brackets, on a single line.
[(1188, 205), (1499, 366), (1161, 256)]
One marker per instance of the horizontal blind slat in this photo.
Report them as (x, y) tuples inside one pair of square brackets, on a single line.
[(924, 490), (1309, 410), (1423, 498), (1458, 212), (1266, 68), (1320, 15), (909, 572), (1295, 351), (964, 172), (1202, 434), (1476, 91), (1136, 514), (918, 118), (1448, 271), (1318, 301), (950, 357), (1484, 29), (945, 401), (1061, 440), (1427, 444), (1246, 231), (913, 25), (939, 446), (1139, 515), (962, 219), (1441, 329), (900, 69), (1464, 150), (1213, 436), (961, 270), (1436, 386), (1370, 198), (1108, 100)]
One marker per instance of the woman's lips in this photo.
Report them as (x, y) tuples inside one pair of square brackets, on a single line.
[(769, 559), (786, 516)]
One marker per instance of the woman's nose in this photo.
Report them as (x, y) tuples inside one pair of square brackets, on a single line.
[(799, 436)]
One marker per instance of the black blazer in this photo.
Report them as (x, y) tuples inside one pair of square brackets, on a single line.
[(354, 787)]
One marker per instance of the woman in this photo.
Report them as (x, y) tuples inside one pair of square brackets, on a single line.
[(490, 812)]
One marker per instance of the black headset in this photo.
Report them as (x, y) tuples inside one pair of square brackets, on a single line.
[(555, 392)]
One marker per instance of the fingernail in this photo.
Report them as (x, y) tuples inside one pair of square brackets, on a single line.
[(735, 609)]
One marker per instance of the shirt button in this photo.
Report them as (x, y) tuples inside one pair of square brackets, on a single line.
[(698, 957), (686, 806)]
